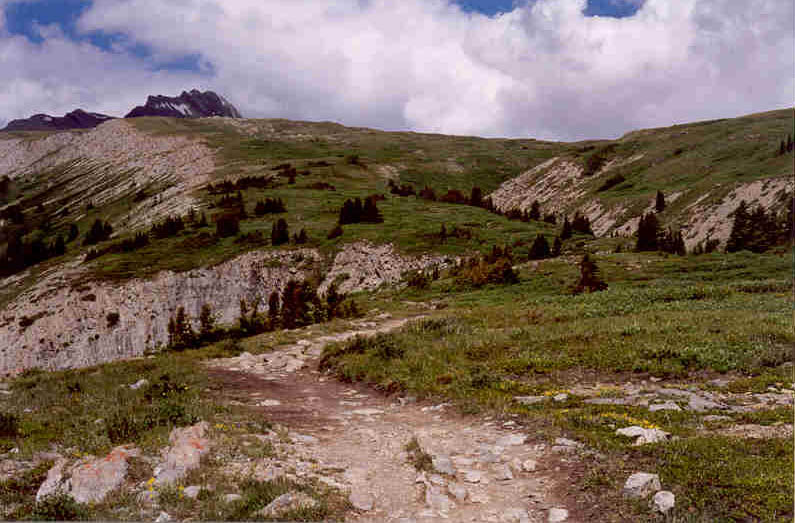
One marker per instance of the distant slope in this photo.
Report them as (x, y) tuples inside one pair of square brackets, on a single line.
[(704, 169)]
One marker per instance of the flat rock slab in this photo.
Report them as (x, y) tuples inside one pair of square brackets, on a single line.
[(91, 481), (188, 445)]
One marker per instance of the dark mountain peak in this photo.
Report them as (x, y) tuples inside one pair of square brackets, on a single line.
[(193, 104), (77, 119)]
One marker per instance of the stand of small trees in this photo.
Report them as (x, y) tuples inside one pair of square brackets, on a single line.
[(353, 211), (495, 268), (280, 233), (169, 227), (758, 230), (269, 206), (100, 231)]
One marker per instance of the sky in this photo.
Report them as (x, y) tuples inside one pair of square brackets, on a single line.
[(546, 69)]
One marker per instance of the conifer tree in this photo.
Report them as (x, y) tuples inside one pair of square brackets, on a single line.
[(273, 310), (648, 233), (535, 211), (659, 204), (565, 233), (279, 232), (206, 323), (370, 212), (590, 281), (476, 197), (741, 229), (540, 248), (557, 246)]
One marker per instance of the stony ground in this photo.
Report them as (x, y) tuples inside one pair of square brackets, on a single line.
[(482, 470)]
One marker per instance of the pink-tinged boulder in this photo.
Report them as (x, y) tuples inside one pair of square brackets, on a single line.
[(92, 480), (188, 445)]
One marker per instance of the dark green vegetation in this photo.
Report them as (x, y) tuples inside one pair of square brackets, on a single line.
[(683, 319)]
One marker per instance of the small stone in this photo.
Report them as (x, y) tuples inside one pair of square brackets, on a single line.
[(668, 405), (436, 479), (407, 400), (140, 383), (511, 440), (473, 476), (529, 465), (457, 490), (489, 457), (444, 465), (700, 404), (641, 485), (361, 500), (269, 403), (556, 515), (503, 473), (303, 438), (192, 491), (565, 442), (287, 502), (478, 497), (231, 498), (162, 517), (560, 397), (663, 501)]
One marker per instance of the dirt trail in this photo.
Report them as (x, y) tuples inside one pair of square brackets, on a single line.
[(488, 472)]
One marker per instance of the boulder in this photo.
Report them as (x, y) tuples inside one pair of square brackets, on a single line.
[(643, 435), (188, 445), (663, 501), (641, 485), (93, 479), (556, 515), (54, 482)]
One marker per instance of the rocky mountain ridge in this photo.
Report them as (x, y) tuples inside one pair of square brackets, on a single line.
[(77, 119), (193, 104)]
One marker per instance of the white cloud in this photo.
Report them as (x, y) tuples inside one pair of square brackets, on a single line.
[(543, 70)]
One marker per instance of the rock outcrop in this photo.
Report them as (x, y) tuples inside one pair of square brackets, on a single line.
[(193, 104), (77, 119), (56, 325)]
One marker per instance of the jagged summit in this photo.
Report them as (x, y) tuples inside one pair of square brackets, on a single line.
[(77, 119), (193, 104)]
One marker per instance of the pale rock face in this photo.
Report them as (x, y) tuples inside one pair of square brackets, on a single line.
[(72, 330), (363, 265)]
